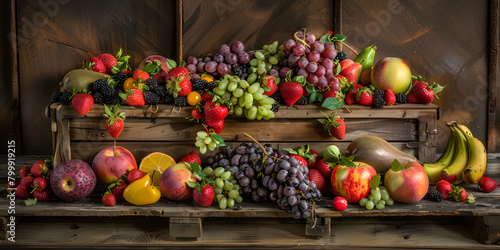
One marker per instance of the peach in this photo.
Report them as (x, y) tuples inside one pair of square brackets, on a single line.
[(173, 182), (391, 73)]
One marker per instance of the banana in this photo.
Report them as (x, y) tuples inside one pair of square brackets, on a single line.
[(476, 165), (453, 172), (434, 170)]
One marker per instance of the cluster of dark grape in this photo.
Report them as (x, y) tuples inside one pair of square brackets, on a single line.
[(314, 61), (269, 176), (219, 64), (241, 70)]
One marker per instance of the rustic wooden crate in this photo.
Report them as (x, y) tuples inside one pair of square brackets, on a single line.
[(409, 127)]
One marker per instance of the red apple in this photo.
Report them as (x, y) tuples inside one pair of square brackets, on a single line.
[(352, 181), (72, 180), (111, 163), (173, 182), (407, 182), (158, 60)]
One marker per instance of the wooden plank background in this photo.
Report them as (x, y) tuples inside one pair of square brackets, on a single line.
[(445, 41)]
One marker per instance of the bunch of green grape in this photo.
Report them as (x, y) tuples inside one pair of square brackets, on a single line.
[(378, 198), (247, 97), (226, 188), (267, 59), (206, 141)]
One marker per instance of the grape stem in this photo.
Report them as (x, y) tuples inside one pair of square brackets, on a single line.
[(260, 145), (154, 111), (349, 47), (302, 40)]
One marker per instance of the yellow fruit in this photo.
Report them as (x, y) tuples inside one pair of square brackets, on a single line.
[(154, 164), (208, 78), (193, 98), (129, 84)]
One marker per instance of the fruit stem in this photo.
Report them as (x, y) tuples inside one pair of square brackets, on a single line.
[(300, 39), (260, 145), (349, 47)]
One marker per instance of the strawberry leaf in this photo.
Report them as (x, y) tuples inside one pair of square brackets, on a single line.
[(291, 151), (332, 103), (171, 63)]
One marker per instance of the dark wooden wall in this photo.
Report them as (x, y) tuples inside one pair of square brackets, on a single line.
[(445, 41)]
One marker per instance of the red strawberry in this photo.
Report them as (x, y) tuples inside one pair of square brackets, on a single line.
[(214, 112), (389, 97), (335, 125), (315, 156), (191, 158), (109, 199), (109, 61), (316, 177), (26, 182), (178, 83), (42, 195), (22, 193), (39, 168), (291, 92), (334, 94), (139, 74), (486, 184), (216, 126), (94, 64), (176, 73), (117, 190), (458, 193), (444, 187), (422, 92), (364, 96), (270, 82), (135, 97), (300, 159), (24, 171), (357, 86), (12, 184), (324, 168), (82, 102), (135, 174), (350, 98), (197, 114), (40, 183), (204, 196), (339, 203), (205, 97), (114, 123)]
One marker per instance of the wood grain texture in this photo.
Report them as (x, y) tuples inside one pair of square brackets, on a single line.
[(493, 77), (66, 34), (209, 24), (421, 33)]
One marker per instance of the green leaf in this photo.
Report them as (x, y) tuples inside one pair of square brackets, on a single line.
[(171, 63), (375, 181), (396, 166), (219, 139), (470, 198), (195, 167), (107, 111), (291, 151), (339, 38), (30, 202), (194, 185), (347, 161), (332, 103), (151, 68), (325, 38)]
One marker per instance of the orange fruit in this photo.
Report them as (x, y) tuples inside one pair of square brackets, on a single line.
[(129, 84), (208, 78), (193, 98), (154, 164)]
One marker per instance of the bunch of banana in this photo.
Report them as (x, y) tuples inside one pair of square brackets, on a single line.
[(464, 158)]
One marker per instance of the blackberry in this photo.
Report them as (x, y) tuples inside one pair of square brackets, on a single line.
[(277, 96), (107, 91), (201, 91), (65, 98), (401, 98), (120, 77), (180, 101), (433, 194), (152, 84), (341, 56), (55, 97), (100, 84), (99, 98), (151, 97), (211, 85), (168, 99), (162, 90), (199, 84), (303, 100), (115, 99), (378, 98), (276, 106)]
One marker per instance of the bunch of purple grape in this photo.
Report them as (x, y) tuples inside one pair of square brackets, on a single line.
[(227, 60), (278, 178), (310, 58)]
